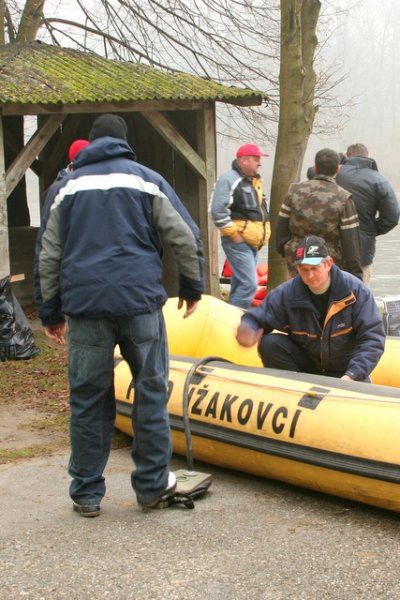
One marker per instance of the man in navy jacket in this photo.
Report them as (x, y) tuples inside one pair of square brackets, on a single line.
[(375, 200), (332, 324), (100, 263)]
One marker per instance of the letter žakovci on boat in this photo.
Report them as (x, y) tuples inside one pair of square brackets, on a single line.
[(334, 436)]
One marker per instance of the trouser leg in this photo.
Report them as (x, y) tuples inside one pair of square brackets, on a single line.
[(243, 260), (91, 346), (145, 350), (278, 351), (367, 273)]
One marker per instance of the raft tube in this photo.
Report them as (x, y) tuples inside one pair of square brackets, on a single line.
[(329, 435)]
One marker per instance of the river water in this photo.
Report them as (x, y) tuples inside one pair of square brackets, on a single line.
[(386, 268)]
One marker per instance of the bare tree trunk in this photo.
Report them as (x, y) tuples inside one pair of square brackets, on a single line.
[(31, 20), (2, 21), (297, 111)]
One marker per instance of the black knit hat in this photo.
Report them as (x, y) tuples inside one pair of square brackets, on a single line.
[(110, 125)]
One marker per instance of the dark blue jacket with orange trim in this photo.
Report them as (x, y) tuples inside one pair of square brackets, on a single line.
[(352, 339)]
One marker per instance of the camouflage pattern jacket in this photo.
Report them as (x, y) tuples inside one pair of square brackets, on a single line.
[(320, 207)]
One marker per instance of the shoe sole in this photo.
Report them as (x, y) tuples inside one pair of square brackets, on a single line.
[(86, 511), (162, 501)]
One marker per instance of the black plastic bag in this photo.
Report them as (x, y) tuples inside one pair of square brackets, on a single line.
[(16, 337)]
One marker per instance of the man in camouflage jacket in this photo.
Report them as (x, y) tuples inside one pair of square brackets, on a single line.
[(320, 207)]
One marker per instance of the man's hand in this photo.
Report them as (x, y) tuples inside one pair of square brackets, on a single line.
[(56, 332), (191, 306), (246, 336), (346, 378), (237, 238)]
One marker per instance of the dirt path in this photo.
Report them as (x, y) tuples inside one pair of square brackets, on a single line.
[(34, 409)]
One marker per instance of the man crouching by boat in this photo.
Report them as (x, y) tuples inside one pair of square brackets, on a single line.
[(331, 319)]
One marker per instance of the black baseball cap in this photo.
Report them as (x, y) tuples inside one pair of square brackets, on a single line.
[(311, 251)]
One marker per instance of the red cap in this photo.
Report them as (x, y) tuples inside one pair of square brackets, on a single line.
[(250, 150), (76, 147)]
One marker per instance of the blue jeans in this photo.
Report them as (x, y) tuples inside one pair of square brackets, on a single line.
[(243, 260), (143, 345)]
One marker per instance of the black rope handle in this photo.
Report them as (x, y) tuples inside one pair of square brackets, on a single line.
[(185, 402)]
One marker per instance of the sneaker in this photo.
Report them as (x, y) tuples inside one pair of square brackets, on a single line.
[(87, 510), (169, 491)]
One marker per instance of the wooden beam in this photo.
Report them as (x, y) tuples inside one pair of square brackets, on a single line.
[(10, 109), (99, 107), (28, 154), (4, 245), (168, 131), (11, 144)]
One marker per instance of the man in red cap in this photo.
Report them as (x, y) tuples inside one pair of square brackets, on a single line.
[(239, 210), (76, 147)]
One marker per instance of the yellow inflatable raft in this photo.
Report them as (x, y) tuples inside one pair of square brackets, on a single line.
[(338, 437)]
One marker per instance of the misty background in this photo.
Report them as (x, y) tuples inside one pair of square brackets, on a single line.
[(359, 48), (364, 49)]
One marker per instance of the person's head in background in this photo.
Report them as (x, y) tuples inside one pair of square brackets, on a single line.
[(357, 150), (74, 150), (326, 162)]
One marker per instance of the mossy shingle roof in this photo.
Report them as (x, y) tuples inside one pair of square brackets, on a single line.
[(37, 73)]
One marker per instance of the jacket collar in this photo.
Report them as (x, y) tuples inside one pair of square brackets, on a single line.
[(324, 177), (104, 148), (340, 288), (360, 162), (236, 167)]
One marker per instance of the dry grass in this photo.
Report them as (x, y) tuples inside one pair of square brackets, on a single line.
[(34, 402)]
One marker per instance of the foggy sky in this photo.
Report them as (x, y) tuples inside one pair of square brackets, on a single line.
[(367, 45)]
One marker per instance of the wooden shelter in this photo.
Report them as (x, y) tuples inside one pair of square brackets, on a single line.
[(171, 126)]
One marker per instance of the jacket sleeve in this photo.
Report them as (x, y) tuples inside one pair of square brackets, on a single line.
[(282, 234), (50, 312), (47, 270), (219, 207), (388, 208), (350, 239), (268, 315), (282, 227), (180, 232), (370, 336)]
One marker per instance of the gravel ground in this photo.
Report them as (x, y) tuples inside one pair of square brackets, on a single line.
[(249, 538)]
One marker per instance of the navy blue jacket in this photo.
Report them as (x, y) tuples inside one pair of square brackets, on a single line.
[(352, 339), (100, 254), (375, 200)]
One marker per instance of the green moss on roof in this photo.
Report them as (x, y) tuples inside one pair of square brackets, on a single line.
[(38, 73)]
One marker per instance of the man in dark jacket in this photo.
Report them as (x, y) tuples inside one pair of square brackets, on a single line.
[(332, 324), (375, 200), (320, 207), (100, 264), (238, 208)]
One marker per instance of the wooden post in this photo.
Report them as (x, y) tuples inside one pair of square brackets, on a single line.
[(206, 136), (4, 246)]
